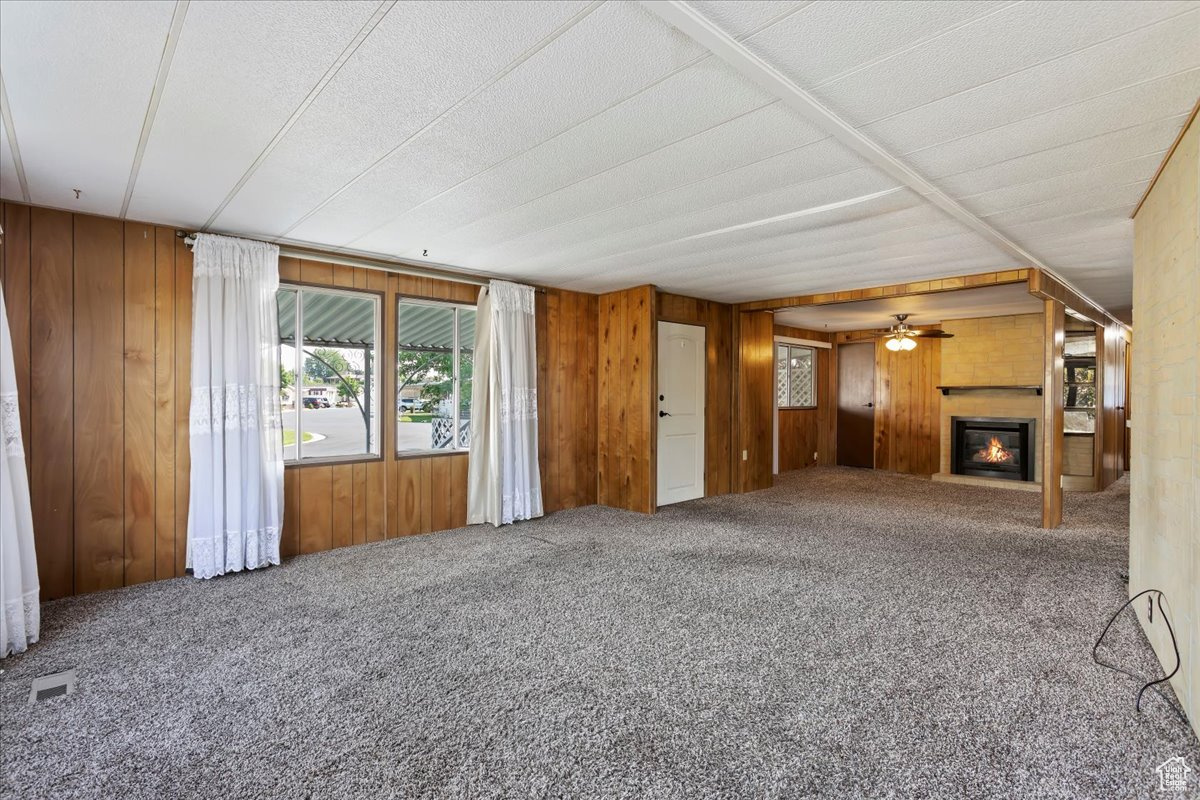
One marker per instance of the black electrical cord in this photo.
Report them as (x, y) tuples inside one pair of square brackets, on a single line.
[(1158, 596)]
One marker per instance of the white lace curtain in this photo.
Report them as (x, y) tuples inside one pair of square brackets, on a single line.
[(503, 479), (236, 507), (19, 616)]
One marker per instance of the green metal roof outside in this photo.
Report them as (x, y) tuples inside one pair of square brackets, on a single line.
[(330, 320), (338, 320), (426, 327)]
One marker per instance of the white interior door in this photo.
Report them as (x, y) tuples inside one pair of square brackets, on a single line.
[(681, 364)]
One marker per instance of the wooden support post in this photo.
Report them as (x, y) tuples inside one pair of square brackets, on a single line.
[(1052, 414), (626, 432), (737, 401), (756, 386), (1104, 402)]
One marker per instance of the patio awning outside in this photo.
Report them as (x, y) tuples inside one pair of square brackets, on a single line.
[(333, 320), (431, 328), (330, 320)]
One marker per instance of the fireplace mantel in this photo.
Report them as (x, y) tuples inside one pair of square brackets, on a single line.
[(947, 390)]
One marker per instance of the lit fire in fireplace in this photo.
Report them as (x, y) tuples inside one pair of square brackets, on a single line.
[(994, 453)]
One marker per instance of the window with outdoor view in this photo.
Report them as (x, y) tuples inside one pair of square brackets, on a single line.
[(795, 381), (1079, 384), (434, 362), (329, 373)]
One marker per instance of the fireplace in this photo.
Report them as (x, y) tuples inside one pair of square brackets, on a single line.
[(993, 447)]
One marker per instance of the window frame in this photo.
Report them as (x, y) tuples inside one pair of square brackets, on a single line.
[(402, 299), (1080, 362), (813, 355), (380, 298)]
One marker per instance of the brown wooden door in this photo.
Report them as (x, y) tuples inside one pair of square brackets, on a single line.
[(856, 405)]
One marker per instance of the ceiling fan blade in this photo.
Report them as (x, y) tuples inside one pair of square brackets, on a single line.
[(929, 334)]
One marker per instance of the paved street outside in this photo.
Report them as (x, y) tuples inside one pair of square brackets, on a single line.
[(345, 433), (414, 435)]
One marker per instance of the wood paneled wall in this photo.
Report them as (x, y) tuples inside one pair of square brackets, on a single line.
[(567, 354), (717, 320), (100, 316), (908, 431), (908, 425), (755, 406), (799, 439), (100, 312), (626, 424), (804, 431), (907, 406)]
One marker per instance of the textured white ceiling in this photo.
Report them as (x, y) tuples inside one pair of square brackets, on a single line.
[(79, 78), (594, 146), (925, 309), (212, 122)]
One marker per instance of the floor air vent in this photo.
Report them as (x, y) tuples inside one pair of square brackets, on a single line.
[(48, 686)]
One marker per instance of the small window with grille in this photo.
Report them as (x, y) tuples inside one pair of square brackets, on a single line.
[(795, 376)]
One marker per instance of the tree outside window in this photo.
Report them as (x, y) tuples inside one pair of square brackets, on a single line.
[(434, 368)]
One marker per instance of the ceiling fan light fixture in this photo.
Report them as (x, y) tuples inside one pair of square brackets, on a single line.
[(901, 337)]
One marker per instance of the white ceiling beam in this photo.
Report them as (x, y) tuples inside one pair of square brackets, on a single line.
[(160, 83), (7, 122), (694, 24)]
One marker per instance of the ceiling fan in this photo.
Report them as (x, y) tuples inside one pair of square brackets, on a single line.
[(902, 337)]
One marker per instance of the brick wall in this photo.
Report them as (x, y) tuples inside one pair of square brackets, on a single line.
[(988, 352), (1164, 525)]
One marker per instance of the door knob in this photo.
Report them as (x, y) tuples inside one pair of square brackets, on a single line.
[(868, 405), (663, 414)]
